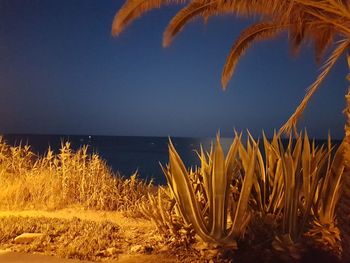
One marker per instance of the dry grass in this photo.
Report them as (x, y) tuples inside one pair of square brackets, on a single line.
[(65, 238), (65, 179)]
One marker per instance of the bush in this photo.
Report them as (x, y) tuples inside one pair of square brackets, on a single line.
[(65, 179)]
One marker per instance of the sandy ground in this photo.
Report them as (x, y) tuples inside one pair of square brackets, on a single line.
[(15, 257), (135, 231)]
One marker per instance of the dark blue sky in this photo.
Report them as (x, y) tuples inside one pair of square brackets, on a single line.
[(61, 72)]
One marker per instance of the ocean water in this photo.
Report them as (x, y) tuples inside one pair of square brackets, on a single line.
[(127, 154)]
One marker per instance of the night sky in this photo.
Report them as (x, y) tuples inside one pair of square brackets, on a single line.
[(61, 72)]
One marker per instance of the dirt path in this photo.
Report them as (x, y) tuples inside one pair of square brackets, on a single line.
[(115, 217), (15, 257)]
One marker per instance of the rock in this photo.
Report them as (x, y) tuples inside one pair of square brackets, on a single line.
[(26, 238), (136, 248), (163, 248), (111, 251), (148, 249)]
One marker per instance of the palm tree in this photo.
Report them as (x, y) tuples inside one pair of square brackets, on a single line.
[(326, 23)]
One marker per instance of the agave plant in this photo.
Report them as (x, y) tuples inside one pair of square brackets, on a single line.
[(303, 187), (296, 187), (324, 23), (222, 219), (324, 230)]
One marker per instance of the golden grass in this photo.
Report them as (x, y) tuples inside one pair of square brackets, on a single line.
[(65, 179), (65, 238)]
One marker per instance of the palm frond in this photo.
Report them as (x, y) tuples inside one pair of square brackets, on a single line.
[(259, 31), (133, 9), (337, 8), (207, 8), (292, 121), (185, 15), (323, 40)]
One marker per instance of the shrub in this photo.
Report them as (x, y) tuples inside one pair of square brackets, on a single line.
[(65, 179), (290, 193)]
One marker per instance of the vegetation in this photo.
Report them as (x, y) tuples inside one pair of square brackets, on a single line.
[(263, 197), (324, 23), (75, 238), (281, 199), (65, 179)]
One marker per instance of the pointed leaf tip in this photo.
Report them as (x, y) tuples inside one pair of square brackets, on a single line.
[(166, 41), (224, 84)]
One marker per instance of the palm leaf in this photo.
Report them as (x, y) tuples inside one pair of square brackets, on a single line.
[(292, 121), (133, 9), (256, 32), (184, 16)]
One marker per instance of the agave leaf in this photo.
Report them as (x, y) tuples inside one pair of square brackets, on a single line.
[(244, 156), (244, 196), (272, 157), (337, 170), (325, 183), (276, 187), (249, 146), (219, 183), (297, 151), (250, 137), (205, 170), (313, 192), (289, 181), (268, 173), (275, 140), (230, 167), (184, 194), (263, 176), (278, 207), (305, 163), (229, 162), (290, 142), (259, 184)]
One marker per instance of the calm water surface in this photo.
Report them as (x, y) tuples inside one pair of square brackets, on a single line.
[(126, 154)]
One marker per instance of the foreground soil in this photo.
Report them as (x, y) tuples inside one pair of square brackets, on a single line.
[(135, 240), (139, 240), (17, 257)]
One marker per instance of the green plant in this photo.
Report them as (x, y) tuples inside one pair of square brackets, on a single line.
[(290, 193), (299, 186), (161, 210), (220, 219), (323, 229)]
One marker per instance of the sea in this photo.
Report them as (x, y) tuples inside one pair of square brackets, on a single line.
[(127, 154)]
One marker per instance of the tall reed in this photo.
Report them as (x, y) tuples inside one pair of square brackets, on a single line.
[(65, 179)]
